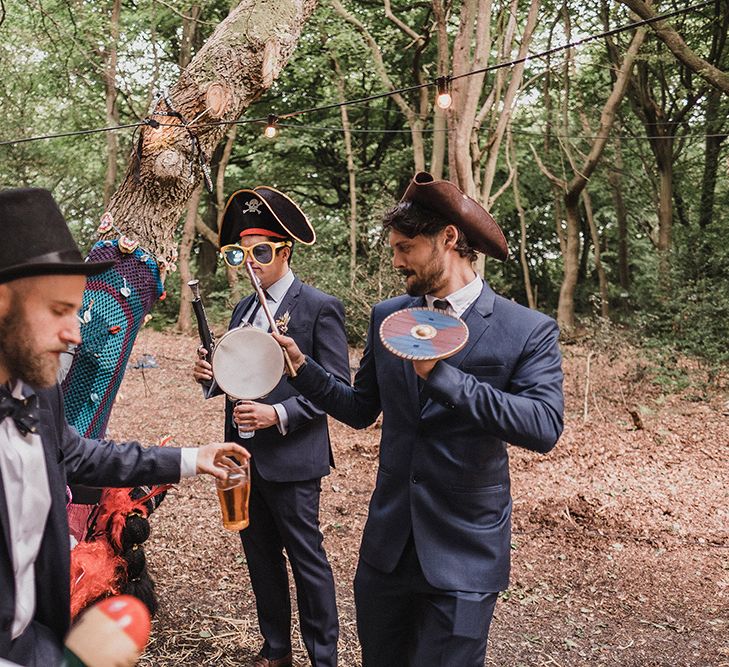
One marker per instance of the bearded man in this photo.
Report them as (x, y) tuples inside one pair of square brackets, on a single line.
[(436, 545), (42, 277)]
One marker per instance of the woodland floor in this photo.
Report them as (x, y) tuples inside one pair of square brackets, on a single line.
[(621, 534)]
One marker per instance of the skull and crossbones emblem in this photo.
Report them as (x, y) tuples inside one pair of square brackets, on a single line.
[(253, 206)]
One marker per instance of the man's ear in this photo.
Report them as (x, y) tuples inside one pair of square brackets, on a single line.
[(450, 236), (6, 296)]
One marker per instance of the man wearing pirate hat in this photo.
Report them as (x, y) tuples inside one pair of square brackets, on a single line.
[(290, 444), (42, 276), (435, 549)]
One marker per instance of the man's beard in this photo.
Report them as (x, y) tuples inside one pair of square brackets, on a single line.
[(21, 360), (429, 280)]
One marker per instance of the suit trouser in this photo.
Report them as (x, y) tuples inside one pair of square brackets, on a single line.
[(285, 515), (403, 620), (36, 647)]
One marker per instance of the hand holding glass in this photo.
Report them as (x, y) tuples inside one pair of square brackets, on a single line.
[(233, 493)]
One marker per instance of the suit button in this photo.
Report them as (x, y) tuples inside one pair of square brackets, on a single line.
[(415, 479)]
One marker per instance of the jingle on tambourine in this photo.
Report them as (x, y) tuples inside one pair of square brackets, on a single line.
[(423, 334)]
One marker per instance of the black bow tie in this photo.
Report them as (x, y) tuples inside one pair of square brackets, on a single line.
[(440, 304), (23, 410)]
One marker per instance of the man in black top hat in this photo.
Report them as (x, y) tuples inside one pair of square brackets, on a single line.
[(435, 549), (42, 278), (290, 449)]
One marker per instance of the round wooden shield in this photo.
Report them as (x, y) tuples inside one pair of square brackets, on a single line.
[(423, 334)]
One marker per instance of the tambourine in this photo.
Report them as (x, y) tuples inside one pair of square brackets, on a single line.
[(423, 334), (247, 363)]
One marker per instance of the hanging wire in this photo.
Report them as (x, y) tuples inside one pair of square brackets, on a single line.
[(406, 89)]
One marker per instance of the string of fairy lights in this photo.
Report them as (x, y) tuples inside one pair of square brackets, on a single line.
[(272, 123)]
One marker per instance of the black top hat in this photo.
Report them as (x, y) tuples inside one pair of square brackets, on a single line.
[(444, 198), (266, 212), (36, 239)]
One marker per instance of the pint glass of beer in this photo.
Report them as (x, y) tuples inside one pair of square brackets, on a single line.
[(233, 493)]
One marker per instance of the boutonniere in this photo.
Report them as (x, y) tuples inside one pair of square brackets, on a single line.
[(282, 323)]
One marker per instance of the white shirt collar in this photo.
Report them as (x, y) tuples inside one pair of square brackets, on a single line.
[(278, 290), (19, 390), (461, 299)]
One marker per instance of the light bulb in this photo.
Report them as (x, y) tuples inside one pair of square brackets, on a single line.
[(271, 130), (443, 99)]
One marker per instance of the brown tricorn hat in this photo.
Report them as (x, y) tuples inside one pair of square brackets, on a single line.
[(445, 199)]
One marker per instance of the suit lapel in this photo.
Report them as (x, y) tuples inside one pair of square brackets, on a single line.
[(289, 300), (476, 318), (53, 561), (4, 519), (244, 306), (56, 484)]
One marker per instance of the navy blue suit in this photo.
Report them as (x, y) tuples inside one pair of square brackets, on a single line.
[(442, 487), (69, 458), (287, 471)]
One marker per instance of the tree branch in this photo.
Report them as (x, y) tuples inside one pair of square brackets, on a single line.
[(679, 48), (400, 24)]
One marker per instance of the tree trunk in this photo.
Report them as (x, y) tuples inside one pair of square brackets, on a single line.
[(231, 274), (225, 76), (615, 178), (189, 32), (594, 234), (664, 161), (571, 266), (112, 111), (188, 236), (664, 31), (712, 152), (531, 300), (240, 60), (509, 101), (573, 190), (414, 118), (440, 116), (351, 172)]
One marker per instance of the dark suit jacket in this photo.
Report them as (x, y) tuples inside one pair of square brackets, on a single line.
[(71, 458), (444, 467), (317, 325)]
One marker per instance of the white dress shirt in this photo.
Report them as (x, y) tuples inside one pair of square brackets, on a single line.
[(461, 299), (28, 498), (274, 295)]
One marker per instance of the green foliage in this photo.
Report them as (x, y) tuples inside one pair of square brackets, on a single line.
[(52, 56), (691, 314)]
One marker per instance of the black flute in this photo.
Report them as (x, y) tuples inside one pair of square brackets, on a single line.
[(203, 329)]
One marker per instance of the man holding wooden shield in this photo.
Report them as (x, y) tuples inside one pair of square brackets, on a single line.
[(436, 546)]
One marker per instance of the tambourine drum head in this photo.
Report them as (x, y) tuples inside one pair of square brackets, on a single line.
[(247, 363), (423, 334)]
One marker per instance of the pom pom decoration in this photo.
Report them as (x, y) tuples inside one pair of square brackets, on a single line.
[(143, 588), (96, 572), (113, 560), (136, 561)]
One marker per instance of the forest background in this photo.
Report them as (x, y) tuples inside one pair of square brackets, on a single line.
[(605, 163)]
